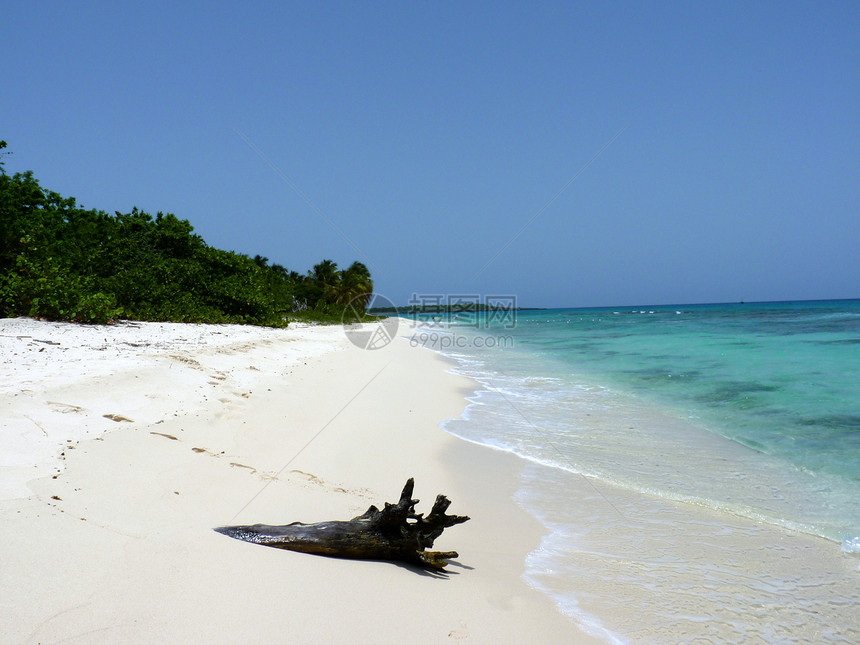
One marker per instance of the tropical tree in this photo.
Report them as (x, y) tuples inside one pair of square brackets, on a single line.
[(356, 285), (62, 262), (325, 280), (3, 154)]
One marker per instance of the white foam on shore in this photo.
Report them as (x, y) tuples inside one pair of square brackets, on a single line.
[(676, 557)]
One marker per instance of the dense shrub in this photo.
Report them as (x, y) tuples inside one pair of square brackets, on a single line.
[(61, 262)]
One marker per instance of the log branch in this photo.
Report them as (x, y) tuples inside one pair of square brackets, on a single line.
[(395, 533)]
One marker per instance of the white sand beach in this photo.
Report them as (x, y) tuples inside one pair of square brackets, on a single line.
[(122, 447)]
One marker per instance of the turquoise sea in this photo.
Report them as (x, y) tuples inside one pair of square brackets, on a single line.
[(702, 461)]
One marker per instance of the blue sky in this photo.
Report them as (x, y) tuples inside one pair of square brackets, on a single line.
[(421, 137)]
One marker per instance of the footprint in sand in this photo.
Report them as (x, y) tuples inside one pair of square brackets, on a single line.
[(460, 633), (316, 481), (118, 418), (217, 378), (65, 408), (164, 434), (188, 361)]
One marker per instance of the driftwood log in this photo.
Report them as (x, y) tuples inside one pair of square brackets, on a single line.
[(395, 533)]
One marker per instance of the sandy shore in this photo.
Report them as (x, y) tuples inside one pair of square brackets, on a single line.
[(123, 446)]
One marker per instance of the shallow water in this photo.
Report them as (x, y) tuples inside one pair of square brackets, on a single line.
[(683, 459)]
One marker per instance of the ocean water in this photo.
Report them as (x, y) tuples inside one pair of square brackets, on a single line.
[(696, 465)]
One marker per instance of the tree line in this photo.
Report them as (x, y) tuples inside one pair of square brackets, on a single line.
[(62, 262)]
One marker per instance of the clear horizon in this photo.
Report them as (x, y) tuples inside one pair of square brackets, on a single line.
[(571, 155), (675, 304)]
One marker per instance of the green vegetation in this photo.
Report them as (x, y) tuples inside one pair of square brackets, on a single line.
[(61, 262)]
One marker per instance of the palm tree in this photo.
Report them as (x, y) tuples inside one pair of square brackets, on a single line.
[(326, 279), (356, 285)]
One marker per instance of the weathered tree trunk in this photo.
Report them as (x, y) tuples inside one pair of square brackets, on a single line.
[(395, 533)]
